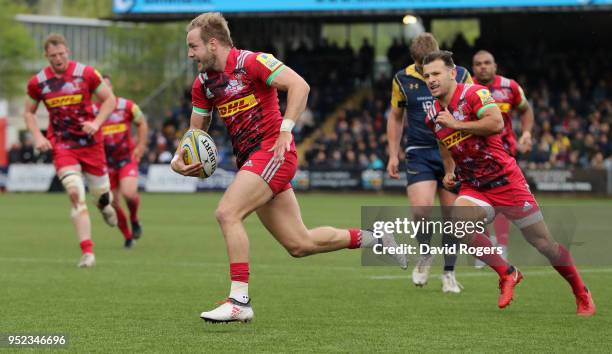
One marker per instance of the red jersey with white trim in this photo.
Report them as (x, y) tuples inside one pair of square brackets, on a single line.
[(68, 100), (508, 95), (481, 161), (244, 99), (117, 132)]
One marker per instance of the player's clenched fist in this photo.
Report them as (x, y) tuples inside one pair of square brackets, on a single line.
[(393, 167), (91, 127), (42, 144), (449, 181), (446, 119), (282, 145), (525, 142)]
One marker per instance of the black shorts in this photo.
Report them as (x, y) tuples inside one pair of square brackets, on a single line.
[(425, 164)]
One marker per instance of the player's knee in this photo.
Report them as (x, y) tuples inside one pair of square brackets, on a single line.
[(105, 199), (225, 215), (99, 186), (74, 198), (73, 184), (129, 196), (78, 209), (421, 212)]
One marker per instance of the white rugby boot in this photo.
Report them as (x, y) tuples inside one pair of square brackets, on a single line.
[(87, 260), (420, 274), (229, 311), (450, 283), (388, 241)]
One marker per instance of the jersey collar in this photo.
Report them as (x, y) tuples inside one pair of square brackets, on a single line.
[(71, 65), (411, 71), (230, 65), (493, 83), (455, 98)]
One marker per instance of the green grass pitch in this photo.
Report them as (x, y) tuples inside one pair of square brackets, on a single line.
[(148, 299)]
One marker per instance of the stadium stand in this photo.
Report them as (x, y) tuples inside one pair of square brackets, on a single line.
[(572, 106)]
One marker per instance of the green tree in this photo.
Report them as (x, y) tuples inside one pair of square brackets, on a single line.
[(16, 49), (144, 57), (87, 8), (72, 8)]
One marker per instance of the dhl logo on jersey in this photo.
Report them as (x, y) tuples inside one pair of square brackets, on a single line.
[(239, 105), (64, 100), (114, 129), (455, 138), (504, 107)]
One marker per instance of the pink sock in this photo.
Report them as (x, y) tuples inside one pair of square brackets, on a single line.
[(133, 205), (564, 264), (239, 272), (86, 246), (494, 260), (122, 223), (355, 241), (502, 228)]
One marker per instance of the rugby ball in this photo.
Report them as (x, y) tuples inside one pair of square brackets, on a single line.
[(200, 147)]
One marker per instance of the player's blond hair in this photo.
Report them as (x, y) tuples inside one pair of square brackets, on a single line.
[(212, 25), (422, 45), (55, 39)]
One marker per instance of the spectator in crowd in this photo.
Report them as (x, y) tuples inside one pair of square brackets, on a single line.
[(573, 111), (572, 105)]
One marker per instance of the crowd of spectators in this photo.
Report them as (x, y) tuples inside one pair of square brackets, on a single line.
[(570, 92), (331, 80)]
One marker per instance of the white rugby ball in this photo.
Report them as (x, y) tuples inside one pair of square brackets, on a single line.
[(200, 147)]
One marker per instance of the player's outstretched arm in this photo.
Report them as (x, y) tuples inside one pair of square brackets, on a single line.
[(40, 142)]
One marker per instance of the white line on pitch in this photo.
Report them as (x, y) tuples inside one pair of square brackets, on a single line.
[(492, 274)]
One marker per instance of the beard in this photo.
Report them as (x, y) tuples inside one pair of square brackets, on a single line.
[(207, 63)]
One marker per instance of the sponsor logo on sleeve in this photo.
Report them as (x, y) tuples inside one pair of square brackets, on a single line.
[(485, 96), (269, 61)]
